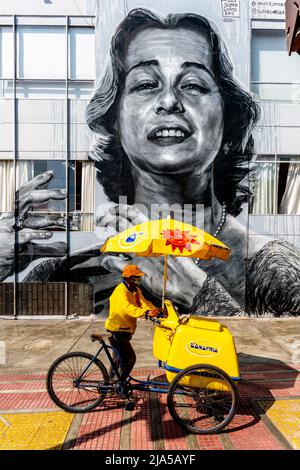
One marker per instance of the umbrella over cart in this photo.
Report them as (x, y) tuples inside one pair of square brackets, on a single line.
[(165, 237)]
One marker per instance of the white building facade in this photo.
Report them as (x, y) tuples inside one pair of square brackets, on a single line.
[(52, 54)]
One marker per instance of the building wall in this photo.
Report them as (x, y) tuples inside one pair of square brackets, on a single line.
[(44, 121)]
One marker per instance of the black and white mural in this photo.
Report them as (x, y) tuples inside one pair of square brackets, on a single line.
[(173, 132)]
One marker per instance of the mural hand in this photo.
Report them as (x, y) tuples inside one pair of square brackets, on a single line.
[(121, 217), (7, 246), (46, 221), (115, 263), (30, 195), (185, 279), (29, 226)]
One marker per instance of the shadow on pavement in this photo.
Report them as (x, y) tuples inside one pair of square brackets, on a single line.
[(261, 379)]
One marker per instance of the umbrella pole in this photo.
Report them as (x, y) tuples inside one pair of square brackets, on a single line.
[(165, 281)]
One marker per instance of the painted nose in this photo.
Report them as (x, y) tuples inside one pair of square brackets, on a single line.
[(169, 103)]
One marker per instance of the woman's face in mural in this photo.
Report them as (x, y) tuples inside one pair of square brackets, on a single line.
[(170, 116)]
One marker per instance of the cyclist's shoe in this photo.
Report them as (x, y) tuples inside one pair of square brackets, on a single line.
[(130, 405), (122, 390)]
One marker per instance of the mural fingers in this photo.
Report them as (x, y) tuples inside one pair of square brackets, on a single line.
[(116, 222), (134, 214), (41, 196), (105, 220), (113, 263), (53, 249), (36, 182), (37, 222), (28, 235)]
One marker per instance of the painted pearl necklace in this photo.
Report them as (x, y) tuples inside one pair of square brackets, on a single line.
[(219, 228)]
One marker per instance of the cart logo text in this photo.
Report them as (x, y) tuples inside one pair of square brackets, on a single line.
[(202, 348)]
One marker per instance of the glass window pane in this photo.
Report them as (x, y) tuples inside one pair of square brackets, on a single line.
[(82, 53), (6, 52), (41, 52), (289, 158), (7, 184), (270, 61), (276, 72), (81, 196), (289, 184), (265, 189), (57, 182)]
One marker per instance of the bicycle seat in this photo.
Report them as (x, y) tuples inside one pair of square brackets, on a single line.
[(98, 337)]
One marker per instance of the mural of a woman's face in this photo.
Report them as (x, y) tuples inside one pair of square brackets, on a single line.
[(170, 115)]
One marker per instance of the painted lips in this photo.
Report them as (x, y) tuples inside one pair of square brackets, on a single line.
[(169, 136)]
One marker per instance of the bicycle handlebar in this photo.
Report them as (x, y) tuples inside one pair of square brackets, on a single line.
[(155, 320)]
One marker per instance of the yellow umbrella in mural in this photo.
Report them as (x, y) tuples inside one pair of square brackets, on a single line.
[(166, 237)]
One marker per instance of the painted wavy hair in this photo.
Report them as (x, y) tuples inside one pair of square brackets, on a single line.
[(232, 167)]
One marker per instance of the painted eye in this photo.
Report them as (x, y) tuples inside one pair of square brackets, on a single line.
[(145, 86), (195, 87)]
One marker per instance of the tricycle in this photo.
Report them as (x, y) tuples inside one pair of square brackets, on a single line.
[(198, 356)]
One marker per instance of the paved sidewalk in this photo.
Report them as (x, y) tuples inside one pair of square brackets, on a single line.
[(267, 418)]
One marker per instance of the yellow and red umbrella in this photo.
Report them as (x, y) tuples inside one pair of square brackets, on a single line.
[(166, 237)]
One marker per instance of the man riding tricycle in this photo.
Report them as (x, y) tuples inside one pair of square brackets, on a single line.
[(197, 354)]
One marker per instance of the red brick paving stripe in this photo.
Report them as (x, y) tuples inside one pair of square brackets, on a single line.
[(141, 434), (9, 401), (12, 377), (101, 429), (209, 442), (248, 432), (257, 367), (26, 386), (174, 436), (173, 432)]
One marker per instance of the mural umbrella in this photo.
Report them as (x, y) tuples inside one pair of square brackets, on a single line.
[(166, 237)]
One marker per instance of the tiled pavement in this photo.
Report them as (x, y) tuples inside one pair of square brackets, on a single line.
[(268, 417)]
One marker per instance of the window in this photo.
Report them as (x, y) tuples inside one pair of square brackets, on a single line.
[(275, 75), (81, 190), (82, 195), (41, 52), (45, 127), (277, 188), (82, 53), (6, 61), (6, 52)]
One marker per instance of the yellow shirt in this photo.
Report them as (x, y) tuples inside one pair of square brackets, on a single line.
[(124, 309)]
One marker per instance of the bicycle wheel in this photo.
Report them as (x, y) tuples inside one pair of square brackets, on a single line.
[(202, 399), (80, 396)]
